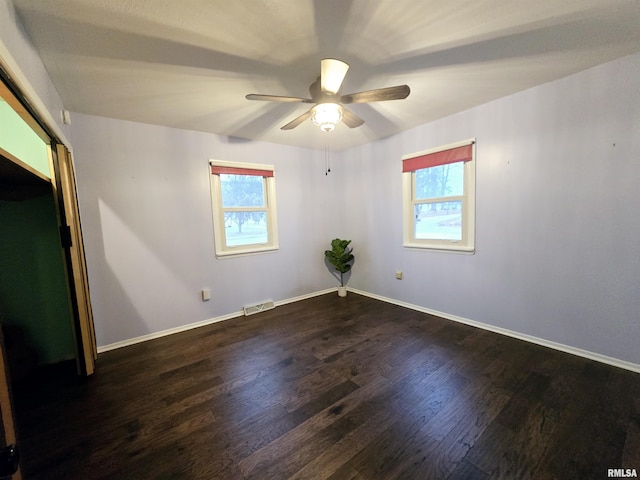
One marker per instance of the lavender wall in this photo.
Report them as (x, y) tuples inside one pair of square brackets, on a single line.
[(147, 222), (557, 219)]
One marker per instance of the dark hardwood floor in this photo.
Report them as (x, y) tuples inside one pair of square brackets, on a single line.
[(332, 388)]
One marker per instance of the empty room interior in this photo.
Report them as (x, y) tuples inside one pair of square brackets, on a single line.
[(176, 179)]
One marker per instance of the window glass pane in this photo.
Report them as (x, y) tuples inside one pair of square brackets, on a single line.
[(440, 181), (242, 190), (245, 228), (438, 221)]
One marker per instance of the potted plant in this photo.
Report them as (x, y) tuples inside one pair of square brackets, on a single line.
[(341, 257)]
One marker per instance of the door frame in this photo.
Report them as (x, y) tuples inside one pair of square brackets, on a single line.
[(6, 406), (65, 196)]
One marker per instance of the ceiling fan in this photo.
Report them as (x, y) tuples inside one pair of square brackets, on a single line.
[(329, 102)]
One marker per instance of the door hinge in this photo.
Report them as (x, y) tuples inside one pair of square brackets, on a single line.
[(65, 236)]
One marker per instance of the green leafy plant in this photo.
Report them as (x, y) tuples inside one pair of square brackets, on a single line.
[(340, 256)]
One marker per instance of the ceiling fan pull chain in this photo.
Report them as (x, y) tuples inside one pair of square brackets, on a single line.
[(327, 168)]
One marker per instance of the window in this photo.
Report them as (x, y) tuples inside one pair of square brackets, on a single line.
[(244, 207), (438, 188)]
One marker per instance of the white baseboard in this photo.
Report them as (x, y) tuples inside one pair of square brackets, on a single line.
[(304, 297), (634, 367), (164, 333), (190, 326), (503, 331)]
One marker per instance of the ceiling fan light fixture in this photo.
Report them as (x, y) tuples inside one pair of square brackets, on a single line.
[(326, 116)]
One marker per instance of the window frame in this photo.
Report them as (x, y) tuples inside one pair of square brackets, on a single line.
[(223, 250), (409, 202)]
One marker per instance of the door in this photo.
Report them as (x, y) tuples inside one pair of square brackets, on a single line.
[(8, 457), (65, 190)]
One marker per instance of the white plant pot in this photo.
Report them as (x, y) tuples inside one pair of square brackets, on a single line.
[(342, 291)]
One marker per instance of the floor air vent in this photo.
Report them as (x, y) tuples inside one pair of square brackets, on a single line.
[(258, 307)]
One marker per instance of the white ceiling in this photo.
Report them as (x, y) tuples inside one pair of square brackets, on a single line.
[(189, 63)]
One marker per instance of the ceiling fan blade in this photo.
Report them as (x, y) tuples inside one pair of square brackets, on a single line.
[(379, 95), (332, 73), (276, 98), (350, 119), (297, 121)]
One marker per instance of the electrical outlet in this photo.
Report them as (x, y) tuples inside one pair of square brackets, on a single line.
[(206, 294), (399, 275)]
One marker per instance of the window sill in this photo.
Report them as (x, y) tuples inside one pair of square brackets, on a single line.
[(449, 247), (241, 252)]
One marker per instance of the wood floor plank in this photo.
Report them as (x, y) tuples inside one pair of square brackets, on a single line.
[(369, 432), (593, 428), (419, 399), (334, 389), (287, 445), (444, 440)]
